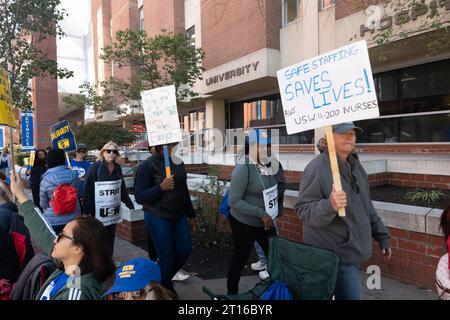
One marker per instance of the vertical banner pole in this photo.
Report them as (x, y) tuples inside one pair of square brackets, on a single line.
[(11, 138), (166, 161), (334, 164), (68, 160)]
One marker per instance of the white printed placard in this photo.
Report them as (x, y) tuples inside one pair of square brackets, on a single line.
[(332, 88), (271, 201), (161, 115), (107, 202)]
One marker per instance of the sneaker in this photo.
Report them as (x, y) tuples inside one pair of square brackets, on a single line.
[(258, 266), (180, 276), (263, 274)]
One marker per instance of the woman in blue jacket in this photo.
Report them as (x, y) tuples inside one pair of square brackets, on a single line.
[(56, 174)]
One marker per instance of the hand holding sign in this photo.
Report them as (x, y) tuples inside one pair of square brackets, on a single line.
[(167, 184), (338, 199)]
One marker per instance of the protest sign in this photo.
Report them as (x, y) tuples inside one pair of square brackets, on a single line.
[(62, 137), (107, 202), (26, 120), (6, 105), (331, 88), (161, 115), (161, 119)]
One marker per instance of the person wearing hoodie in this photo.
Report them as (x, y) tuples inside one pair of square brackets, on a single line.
[(56, 174), (350, 237), (80, 250)]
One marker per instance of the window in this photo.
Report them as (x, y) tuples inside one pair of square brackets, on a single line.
[(141, 18), (190, 34), (292, 10), (323, 4)]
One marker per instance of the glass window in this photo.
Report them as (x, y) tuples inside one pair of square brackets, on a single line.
[(428, 128), (323, 4), (190, 33), (141, 18), (386, 86), (292, 10)]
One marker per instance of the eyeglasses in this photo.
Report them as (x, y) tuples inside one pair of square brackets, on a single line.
[(111, 151), (62, 235)]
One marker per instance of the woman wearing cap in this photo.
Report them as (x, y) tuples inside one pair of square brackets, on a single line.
[(317, 205), (81, 166), (56, 174), (138, 279), (36, 171), (105, 190), (253, 187), (80, 249)]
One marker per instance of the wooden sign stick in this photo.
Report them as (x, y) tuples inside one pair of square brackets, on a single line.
[(68, 160), (334, 164)]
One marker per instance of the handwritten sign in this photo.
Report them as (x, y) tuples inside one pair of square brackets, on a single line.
[(328, 89), (62, 137), (161, 115), (6, 105)]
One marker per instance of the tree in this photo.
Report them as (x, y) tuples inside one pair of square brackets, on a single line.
[(161, 60), (23, 24), (96, 134)]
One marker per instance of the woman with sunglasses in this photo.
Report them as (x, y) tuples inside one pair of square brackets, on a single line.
[(105, 190), (80, 249)]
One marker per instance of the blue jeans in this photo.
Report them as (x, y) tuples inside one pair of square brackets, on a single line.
[(173, 243), (259, 251), (348, 284)]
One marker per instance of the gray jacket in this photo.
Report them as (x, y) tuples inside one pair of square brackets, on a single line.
[(349, 237), (245, 197)]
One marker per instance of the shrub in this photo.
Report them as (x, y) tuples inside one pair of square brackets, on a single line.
[(428, 196), (208, 234)]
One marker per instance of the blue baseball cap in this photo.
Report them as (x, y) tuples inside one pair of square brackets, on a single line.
[(261, 136), (134, 275), (345, 126)]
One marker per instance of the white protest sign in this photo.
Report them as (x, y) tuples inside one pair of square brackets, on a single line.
[(271, 201), (161, 115), (107, 202), (332, 88)]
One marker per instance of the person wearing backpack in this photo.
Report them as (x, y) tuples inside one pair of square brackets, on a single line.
[(104, 205), (251, 197), (59, 191), (80, 249)]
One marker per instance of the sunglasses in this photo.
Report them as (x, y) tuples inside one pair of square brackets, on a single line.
[(81, 151), (62, 235), (111, 151)]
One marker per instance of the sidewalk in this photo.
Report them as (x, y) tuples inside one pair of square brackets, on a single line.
[(191, 289)]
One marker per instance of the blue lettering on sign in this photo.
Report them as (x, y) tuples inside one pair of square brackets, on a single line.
[(323, 91)]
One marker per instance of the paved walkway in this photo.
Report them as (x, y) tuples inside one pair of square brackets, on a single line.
[(191, 289)]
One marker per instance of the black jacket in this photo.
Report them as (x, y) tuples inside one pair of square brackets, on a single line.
[(165, 204), (99, 172)]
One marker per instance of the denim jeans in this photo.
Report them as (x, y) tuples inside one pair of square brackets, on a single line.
[(173, 243), (259, 251), (348, 284)]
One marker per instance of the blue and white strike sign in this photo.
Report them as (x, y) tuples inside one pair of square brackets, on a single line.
[(26, 119), (62, 137), (329, 89)]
